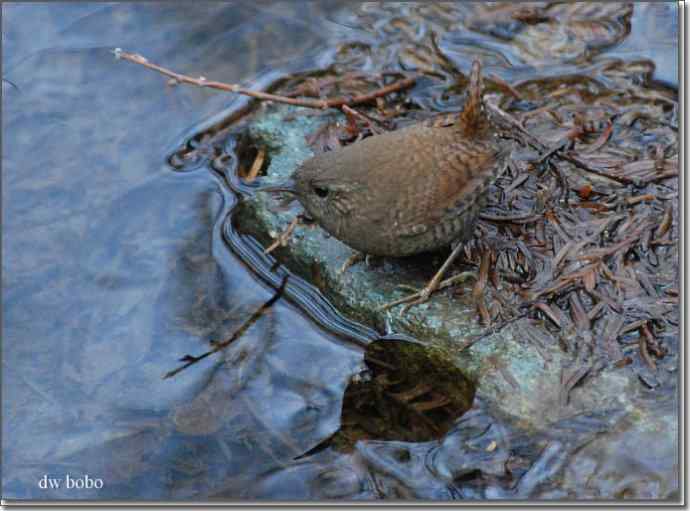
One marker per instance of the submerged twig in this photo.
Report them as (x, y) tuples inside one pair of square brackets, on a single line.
[(11, 84), (217, 346), (238, 89)]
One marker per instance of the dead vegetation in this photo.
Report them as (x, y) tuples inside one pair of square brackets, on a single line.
[(582, 237)]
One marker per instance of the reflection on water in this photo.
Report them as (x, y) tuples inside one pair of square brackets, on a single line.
[(114, 266)]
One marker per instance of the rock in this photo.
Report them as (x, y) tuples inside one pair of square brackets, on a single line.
[(518, 376)]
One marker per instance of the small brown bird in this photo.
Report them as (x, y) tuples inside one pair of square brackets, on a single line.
[(408, 191)]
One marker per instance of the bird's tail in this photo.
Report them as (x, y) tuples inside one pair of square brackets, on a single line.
[(472, 118)]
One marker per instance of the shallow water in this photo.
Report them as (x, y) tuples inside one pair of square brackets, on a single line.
[(114, 265)]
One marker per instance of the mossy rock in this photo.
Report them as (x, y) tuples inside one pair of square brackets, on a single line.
[(512, 375)]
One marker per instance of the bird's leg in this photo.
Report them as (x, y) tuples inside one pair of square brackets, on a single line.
[(434, 284), (354, 259), (281, 241)]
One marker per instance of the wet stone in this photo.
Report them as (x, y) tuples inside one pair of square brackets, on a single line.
[(517, 376)]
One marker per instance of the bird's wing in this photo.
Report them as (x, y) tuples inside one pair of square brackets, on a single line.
[(461, 175)]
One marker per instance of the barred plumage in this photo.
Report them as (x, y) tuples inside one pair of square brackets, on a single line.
[(408, 191)]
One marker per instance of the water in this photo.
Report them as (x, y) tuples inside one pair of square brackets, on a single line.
[(115, 265)]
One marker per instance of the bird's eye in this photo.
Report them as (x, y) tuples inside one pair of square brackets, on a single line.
[(320, 191)]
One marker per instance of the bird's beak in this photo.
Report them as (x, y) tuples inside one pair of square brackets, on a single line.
[(287, 186)]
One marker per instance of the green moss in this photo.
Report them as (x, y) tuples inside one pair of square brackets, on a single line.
[(510, 373)]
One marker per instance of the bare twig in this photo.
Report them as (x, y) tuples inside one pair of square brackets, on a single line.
[(256, 166), (526, 218), (233, 87), (460, 277), (489, 332), (603, 138), (370, 121), (528, 139), (548, 312), (644, 354), (217, 346), (281, 241), (505, 86), (11, 84)]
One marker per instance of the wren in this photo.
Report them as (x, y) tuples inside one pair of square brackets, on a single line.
[(408, 191)]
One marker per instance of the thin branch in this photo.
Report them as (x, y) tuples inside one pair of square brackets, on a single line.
[(374, 124), (256, 166), (528, 139), (217, 346), (506, 86), (233, 87), (12, 84), (281, 241), (526, 218), (489, 332)]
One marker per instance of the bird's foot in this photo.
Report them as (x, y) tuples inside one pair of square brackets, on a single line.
[(421, 296), (354, 259)]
